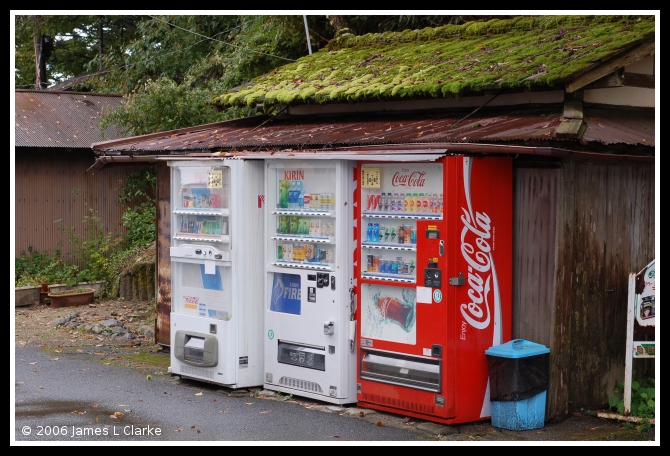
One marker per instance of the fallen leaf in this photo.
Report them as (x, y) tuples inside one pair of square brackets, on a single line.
[(56, 351), (35, 370), (379, 423), (213, 400), (118, 414), (40, 387), (193, 427), (98, 353), (199, 394), (361, 414), (264, 412), (199, 431), (250, 403), (335, 436), (124, 405), (54, 359), (95, 404), (113, 416), (177, 430), (33, 363), (77, 412)]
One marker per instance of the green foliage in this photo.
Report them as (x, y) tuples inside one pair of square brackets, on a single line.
[(76, 44), (36, 267), (104, 256), (643, 395), (447, 61), (139, 220)]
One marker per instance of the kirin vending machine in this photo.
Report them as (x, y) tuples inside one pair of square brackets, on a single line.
[(216, 319), (435, 278), (310, 293)]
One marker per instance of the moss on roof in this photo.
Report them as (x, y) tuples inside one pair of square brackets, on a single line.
[(535, 52)]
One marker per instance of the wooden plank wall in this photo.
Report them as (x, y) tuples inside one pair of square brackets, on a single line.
[(578, 232), (163, 242), (52, 185), (614, 216)]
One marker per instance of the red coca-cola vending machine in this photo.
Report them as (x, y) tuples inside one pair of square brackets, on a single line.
[(435, 284)]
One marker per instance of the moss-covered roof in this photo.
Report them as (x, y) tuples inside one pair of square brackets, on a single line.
[(533, 52)]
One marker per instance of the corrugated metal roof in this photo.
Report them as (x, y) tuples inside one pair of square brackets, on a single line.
[(330, 133), (61, 119)]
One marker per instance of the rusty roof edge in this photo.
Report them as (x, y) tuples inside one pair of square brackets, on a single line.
[(162, 134), (486, 148), (100, 162)]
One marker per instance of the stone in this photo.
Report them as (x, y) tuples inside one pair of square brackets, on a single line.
[(58, 321)]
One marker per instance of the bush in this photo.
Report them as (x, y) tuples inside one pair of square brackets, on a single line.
[(642, 401)]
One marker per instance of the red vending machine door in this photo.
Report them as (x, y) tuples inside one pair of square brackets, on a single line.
[(430, 304)]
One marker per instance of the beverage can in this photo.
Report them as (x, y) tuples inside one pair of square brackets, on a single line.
[(371, 265), (280, 251), (375, 263), (394, 267), (307, 200)]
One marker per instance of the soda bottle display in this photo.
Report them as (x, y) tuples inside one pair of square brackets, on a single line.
[(426, 202), (394, 311), (299, 195), (292, 195)]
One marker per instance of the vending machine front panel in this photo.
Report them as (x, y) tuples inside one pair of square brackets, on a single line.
[(309, 340), (216, 286), (433, 301)]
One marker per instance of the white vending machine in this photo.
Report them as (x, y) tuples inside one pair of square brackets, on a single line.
[(310, 289), (216, 319)]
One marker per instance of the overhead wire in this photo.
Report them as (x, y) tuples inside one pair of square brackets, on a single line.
[(213, 39)]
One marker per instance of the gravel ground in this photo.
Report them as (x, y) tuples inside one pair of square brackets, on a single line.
[(32, 327)]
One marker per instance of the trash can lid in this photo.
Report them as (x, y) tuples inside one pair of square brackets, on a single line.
[(517, 348)]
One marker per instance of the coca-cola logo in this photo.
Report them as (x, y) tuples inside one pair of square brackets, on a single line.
[(384, 305), (476, 251), (407, 178)]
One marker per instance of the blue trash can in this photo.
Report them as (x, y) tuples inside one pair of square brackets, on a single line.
[(519, 379)]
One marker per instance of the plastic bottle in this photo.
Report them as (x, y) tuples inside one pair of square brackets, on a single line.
[(440, 204), (375, 232), (292, 200), (426, 202), (415, 203), (300, 195), (403, 203), (370, 232)]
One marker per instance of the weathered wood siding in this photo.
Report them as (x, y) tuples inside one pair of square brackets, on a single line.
[(163, 242), (578, 232), (52, 185)]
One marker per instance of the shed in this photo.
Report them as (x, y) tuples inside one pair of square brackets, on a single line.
[(53, 133), (571, 98)]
